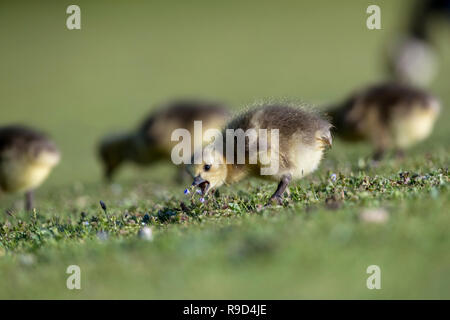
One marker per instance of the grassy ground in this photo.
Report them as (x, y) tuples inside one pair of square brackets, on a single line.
[(77, 85)]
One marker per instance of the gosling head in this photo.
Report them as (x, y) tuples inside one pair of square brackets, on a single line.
[(212, 172), (114, 151)]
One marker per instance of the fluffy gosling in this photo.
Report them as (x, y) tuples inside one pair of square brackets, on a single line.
[(389, 115), (26, 159), (302, 138), (151, 141)]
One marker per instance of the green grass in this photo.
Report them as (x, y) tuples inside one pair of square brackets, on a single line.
[(77, 85)]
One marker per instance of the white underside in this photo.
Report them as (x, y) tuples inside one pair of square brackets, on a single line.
[(307, 160), (303, 160), (414, 128), (23, 174)]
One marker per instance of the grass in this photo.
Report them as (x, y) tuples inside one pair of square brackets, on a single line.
[(79, 84)]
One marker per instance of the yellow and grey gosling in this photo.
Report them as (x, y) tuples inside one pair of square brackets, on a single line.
[(26, 159), (151, 141), (302, 138), (388, 115)]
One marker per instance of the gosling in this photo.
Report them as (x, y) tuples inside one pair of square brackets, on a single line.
[(390, 116), (151, 141), (302, 138), (26, 159)]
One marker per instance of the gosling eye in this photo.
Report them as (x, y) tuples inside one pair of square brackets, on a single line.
[(207, 167)]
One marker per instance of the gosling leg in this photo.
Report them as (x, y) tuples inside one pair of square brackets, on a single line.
[(278, 195), (400, 154), (29, 199), (379, 155)]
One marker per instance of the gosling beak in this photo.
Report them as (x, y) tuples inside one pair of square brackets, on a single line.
[(201, 183), (198, 180)]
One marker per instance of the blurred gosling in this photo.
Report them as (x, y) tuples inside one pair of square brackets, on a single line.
[(26, 159), (302, 138), (151, 141), (389, 116)]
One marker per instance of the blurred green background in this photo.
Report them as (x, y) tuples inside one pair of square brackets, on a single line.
[(131, 56)]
